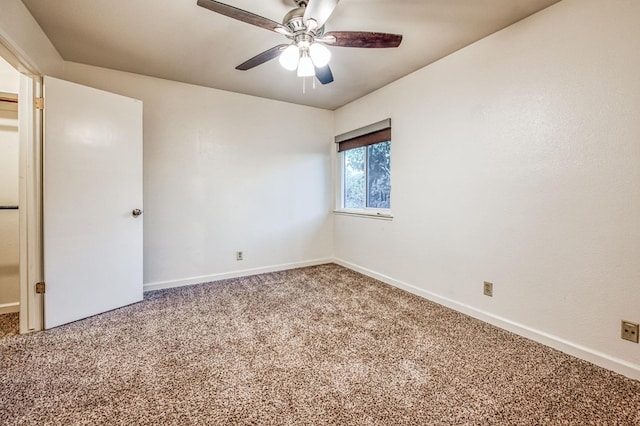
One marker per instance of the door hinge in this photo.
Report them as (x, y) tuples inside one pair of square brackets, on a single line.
[(39, 102), (40, 288)]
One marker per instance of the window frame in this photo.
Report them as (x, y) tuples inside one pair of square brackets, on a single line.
[(372, 212)]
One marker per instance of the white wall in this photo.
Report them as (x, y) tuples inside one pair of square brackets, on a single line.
[(9, 78), (517, 161), (225, 172), (9, 252)]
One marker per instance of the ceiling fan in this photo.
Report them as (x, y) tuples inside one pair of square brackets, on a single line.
[(304, 26)]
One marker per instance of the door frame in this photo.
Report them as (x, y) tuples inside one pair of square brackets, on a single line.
[(30, 188), (30, 196)]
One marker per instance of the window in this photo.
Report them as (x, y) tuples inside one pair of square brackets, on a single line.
[(366, 167), (367, 176)]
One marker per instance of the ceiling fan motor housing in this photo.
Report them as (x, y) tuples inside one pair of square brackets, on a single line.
[(294, 21)]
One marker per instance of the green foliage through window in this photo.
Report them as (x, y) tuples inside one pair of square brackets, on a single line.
[(367, 177)]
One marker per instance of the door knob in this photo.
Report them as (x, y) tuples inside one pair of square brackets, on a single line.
[(136, 212)]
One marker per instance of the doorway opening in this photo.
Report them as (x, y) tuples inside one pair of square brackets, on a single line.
[(9, 201), (20, 85)]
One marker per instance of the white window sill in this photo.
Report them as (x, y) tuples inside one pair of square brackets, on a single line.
[(365, 214)]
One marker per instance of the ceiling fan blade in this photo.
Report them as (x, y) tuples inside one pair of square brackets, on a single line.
[(324, 74), (361, 39), (319, 11), (242, 15), (261, 58)]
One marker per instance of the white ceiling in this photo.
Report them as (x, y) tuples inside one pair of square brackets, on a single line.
[(178, 40)]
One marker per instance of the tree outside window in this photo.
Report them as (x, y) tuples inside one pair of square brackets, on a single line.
[(367, 177)]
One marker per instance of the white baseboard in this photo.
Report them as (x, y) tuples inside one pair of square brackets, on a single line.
[(595, 357), (7, 308), (234, 274)]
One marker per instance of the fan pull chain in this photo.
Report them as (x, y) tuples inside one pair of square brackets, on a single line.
[(304, 84)]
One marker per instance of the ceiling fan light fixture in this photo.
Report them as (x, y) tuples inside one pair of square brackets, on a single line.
[(320, 55), (304, 26), (290, 57), (305, 67)]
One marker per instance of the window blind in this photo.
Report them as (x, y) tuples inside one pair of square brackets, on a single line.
[(368, 135)]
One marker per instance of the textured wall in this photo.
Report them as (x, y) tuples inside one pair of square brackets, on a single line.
[(517, 160), (226, 172)]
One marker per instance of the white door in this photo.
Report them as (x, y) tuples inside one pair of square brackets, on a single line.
[(92, 184)]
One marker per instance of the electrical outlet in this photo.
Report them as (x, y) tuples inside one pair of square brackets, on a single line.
[(239, 255), (629, 331), (488, 289)]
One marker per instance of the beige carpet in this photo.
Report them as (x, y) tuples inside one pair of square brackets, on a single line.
[(320, 345), (9, 324)]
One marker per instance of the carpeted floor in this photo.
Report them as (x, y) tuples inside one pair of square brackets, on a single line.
[(319, 345), (9, 324)]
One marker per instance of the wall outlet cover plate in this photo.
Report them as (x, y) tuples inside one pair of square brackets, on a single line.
[(629, 331), (488, 289)]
